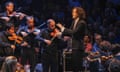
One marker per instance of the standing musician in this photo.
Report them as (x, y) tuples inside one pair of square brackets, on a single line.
[(77, 32), (49, 42), (11, 16), (30, 46)]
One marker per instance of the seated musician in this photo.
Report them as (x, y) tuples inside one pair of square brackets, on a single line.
[(94, 66), (104, 55), (87, 44), (114, 63), (105, 47)]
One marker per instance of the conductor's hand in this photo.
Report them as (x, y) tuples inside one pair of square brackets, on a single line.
[(59, 25)]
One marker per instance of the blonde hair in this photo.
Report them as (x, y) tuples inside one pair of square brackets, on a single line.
[(9, 64)]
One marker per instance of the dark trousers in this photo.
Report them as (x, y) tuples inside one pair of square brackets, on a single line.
[(1, 61), (17, 52), (77, 60), (28, 56), (94, 66), (50, 63), (8, 51)]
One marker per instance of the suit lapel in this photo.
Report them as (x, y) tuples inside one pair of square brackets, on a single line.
[(75, 25), (71, 27)]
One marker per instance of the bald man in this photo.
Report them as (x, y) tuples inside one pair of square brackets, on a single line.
[(30, 47), (10, 15), (49, 46)]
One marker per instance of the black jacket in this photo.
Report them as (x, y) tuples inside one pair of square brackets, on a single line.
[(48, 49), (30, 38), (77, 34), (5, 44), (13, 20)]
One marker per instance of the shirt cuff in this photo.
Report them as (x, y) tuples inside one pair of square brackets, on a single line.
[(60, 35), (62, 29)]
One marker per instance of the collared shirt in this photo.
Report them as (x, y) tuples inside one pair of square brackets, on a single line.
[(75, 23)]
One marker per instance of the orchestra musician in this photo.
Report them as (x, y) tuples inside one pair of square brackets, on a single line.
[(113, 64), (49, 38), (30, 46), (87, 43), (11, 16), (6, 45)]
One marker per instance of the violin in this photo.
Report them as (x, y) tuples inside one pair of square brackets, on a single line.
[(94, 56), (16, 14), (54, 33), (15, 38), (105, 58)]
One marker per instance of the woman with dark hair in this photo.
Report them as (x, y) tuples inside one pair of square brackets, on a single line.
[(87, 43), (9, 65)]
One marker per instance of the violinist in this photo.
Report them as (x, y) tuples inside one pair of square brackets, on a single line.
[(7, 46), (49, 44), (30, 46), (11, 16)]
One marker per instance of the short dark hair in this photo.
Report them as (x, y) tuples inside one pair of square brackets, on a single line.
[(80, 12), (8, 26), (7, 3)]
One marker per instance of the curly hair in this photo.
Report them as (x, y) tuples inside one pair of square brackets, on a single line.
[(81, 12)]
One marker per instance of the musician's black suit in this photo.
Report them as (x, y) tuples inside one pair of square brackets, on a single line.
[(49, 53), (5, 44)]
